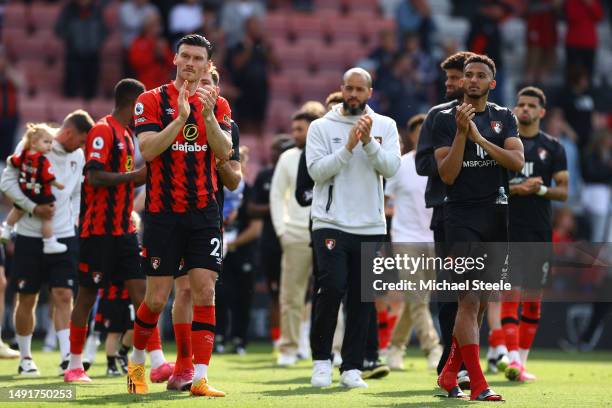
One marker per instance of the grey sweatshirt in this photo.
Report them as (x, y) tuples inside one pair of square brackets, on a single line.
[(348, 193)]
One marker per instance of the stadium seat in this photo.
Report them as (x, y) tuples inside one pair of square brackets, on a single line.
[(34, 109), (112, 49), (344, 27), (367, 6), (14, 15), (293, 57), (45, 15), (110, 74), (276, 25), (99, 107), (331, 58), (305, 25), (60, 107)]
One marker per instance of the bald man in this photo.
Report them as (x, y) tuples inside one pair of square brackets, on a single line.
[(346, 153)]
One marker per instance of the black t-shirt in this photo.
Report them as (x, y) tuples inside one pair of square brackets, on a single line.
[(544, 156), (480, 177), (261, 195), (426, 162)]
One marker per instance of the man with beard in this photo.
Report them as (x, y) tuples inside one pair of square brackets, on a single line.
[(436, 190), (531, 191), (475, 143), (347, 151)]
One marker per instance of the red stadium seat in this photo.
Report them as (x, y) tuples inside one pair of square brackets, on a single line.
[(367, 6), (344, 27), (110, 74), (34, 109), (112, 49), (293, 57)]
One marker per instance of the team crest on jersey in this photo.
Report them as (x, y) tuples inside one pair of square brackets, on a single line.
[(73, 166), (139, 108), (97, 277), (155, 262), (21, 283), (378, 139), (542, 153), (496, 126), (226, 119), (190, 132), (330, 243)]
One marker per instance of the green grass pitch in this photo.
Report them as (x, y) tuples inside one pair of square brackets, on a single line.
[(564, 380)]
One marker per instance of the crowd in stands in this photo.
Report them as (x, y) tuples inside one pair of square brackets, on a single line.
[(267, 65)]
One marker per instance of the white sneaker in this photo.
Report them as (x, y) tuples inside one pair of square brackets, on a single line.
[(337, 362), (321, 373), (286, 360), (27, 368), (7, 352), (433, 358), (54, 248), (352, 379), (395, 358), (6, 234)]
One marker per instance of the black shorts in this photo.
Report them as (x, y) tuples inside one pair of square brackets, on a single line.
[(108, 259), (480, 233), (114, 316), (174, 243), (32, 268), (269, 262), (530, 256)]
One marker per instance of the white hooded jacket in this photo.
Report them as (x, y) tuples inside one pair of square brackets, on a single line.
[(348, 193)]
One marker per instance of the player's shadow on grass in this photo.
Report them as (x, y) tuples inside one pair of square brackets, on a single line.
[(304, 390), (297, 381), (125, 398)]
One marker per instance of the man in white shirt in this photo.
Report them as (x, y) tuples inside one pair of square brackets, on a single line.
[(410, 223), (291, 225), (32, 267)]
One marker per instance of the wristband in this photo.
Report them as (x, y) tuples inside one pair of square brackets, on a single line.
[(543, 190)]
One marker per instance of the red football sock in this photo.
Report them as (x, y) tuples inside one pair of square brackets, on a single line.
[(203, 333), (77, 338), (144, 326), (384, 334), (497, 338), (471, 359), (275, 333), (184, 351), (154, 342), (509, 315), (448, 376), (530, 319)]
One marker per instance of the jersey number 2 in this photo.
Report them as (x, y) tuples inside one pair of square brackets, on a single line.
[(217, 243)]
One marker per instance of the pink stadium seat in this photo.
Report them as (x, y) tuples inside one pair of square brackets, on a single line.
[(12, 36), (280, 85), (344, 27), (60, 107), (45, 15), (276, 24), (293, 57), (99, 107), (361, 6), (379, 24), (305, 25), (33, 109), (54, 50), (110, 74), (331, 58), (14, 15), (314, 88)]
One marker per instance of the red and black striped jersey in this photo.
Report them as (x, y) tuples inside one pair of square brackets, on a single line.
[(184, 176), (35, 173), (107, 210)]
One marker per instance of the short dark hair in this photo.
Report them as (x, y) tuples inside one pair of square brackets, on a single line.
[(415, 121), (197, 40), (81, 120), (535, 92), (305, 115), (483, 59), (456, 61), (127, 91)]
